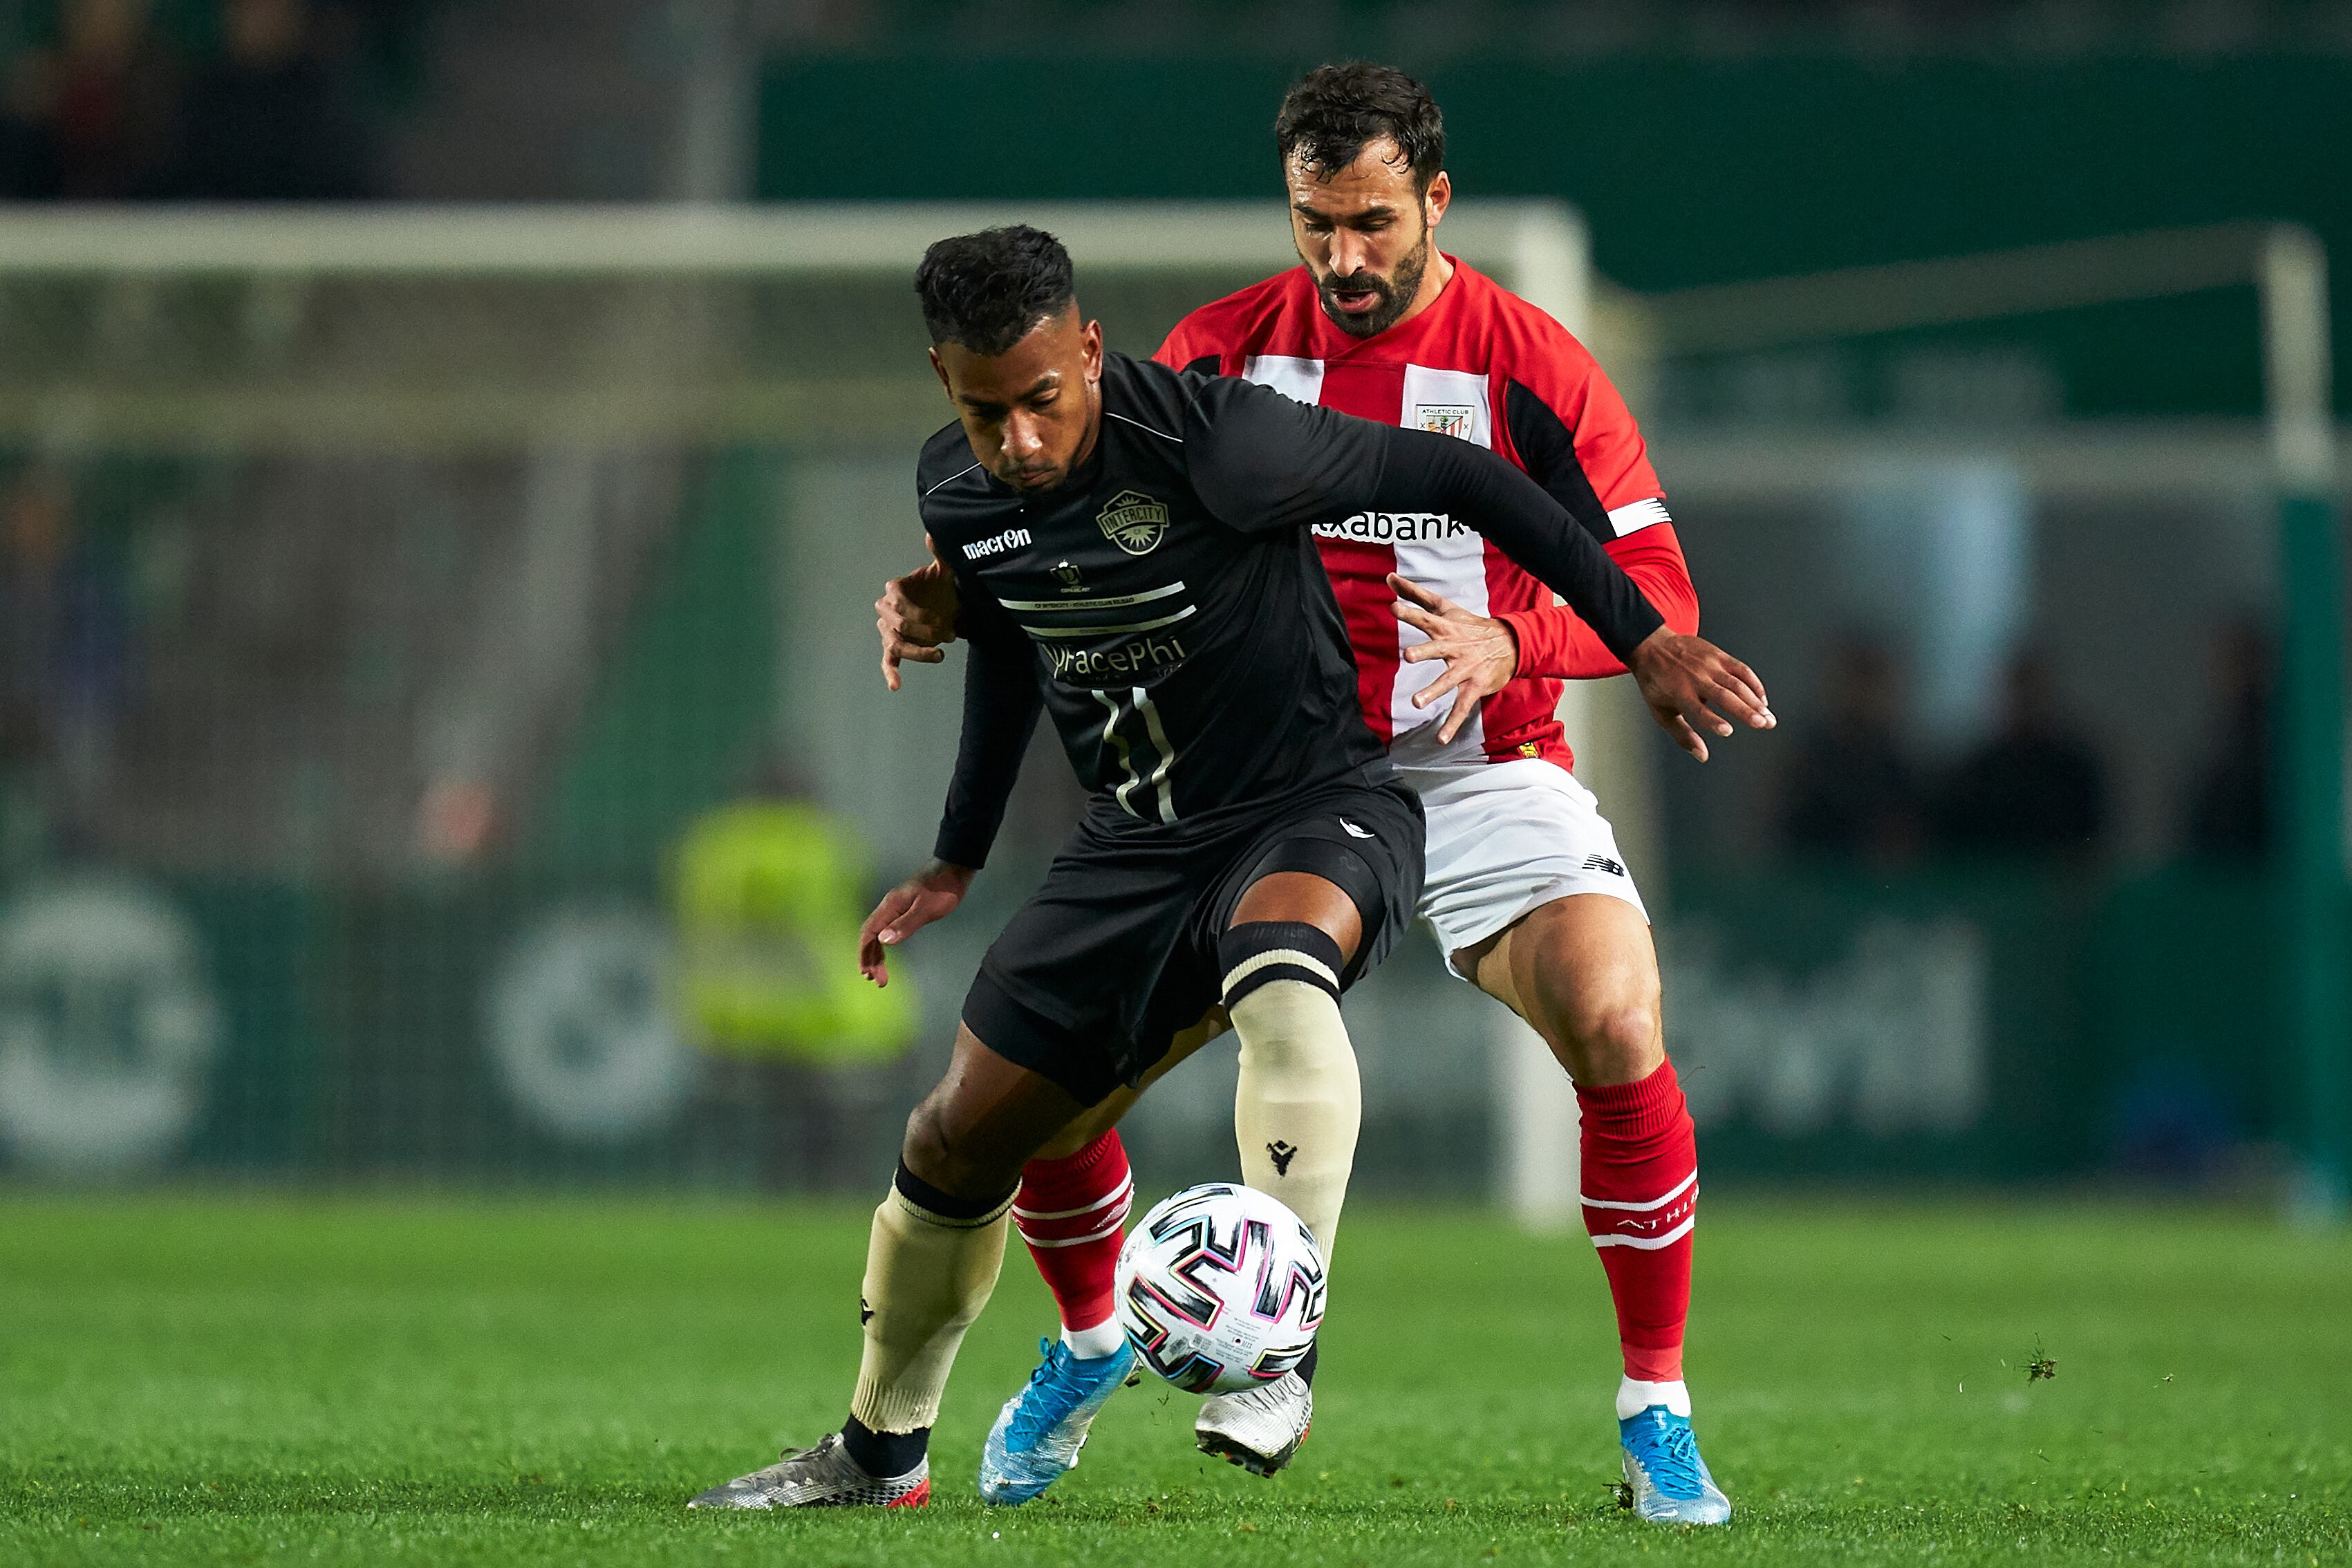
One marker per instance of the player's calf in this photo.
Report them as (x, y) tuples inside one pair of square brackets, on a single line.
[(1299, 1105), (931, 1263), (1072, 1214), (1296, 1115)]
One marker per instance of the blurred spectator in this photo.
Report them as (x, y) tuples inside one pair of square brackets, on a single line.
[(63, 641), (90, 120), (29, 533), (770, 890), (275, 119), (1852, 790), (2229, 808), (31, 166), (2036, 787)]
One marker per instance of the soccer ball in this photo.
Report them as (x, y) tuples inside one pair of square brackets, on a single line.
[(1220, 1289)]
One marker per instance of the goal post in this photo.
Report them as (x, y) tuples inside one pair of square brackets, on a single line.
[(2286, 267), (396, 473)]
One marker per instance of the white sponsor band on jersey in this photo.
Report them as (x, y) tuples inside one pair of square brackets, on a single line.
[(997, 544), (1392, 527)]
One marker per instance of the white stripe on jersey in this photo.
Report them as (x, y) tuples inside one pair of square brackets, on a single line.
[(1638, 515), (1454, 402), (1300, 380)]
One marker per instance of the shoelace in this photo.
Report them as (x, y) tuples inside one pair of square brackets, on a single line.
[(1672, 1461), (1051, 1377), (799, 1455)]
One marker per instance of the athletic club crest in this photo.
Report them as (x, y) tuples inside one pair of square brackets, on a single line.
[(1134, 521), (1445, 418)]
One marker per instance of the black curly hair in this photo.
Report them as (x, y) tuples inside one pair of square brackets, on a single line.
[(986, 291), (1335, 111)]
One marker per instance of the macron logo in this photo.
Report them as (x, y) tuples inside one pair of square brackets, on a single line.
[(997, 544)]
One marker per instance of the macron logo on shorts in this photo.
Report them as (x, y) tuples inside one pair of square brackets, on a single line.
[(1353, 830)]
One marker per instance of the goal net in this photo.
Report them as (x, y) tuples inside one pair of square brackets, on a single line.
[(391, 592)]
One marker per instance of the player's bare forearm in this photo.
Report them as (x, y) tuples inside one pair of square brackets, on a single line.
[(1691, 686), (930, 894), (916, 617)]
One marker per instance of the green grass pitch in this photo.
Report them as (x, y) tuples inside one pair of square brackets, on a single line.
[(216, 1380)]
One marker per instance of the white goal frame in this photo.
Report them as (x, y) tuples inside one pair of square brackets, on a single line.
[(1537, 248)]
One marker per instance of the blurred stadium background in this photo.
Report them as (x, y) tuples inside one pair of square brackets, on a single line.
[(448, 449)]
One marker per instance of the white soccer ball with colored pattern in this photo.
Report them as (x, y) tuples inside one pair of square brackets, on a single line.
[(1221, 1288)]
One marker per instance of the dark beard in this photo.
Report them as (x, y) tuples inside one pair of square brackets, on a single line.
[(1396, 296)]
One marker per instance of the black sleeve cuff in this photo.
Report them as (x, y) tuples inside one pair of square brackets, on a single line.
[(963, 844)]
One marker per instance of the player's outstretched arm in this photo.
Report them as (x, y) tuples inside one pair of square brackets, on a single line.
[(1690, 678), (916, 615), (930, 894), (1262, 462), (1692, 685)]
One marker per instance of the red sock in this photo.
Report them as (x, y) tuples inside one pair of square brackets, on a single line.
[(1641, 1199), (1073, 1213)]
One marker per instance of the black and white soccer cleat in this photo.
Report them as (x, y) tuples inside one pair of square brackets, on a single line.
[(822, 1476)]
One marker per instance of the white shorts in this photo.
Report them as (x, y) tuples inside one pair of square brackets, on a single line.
[(1506, 838)]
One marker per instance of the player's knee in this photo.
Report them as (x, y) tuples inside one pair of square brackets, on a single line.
[(1280, 977), (1614, 1041), (953, 1157), (924, 1150)]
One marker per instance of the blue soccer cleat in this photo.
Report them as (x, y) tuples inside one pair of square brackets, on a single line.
[(1669, 1482), (1039, 1432)]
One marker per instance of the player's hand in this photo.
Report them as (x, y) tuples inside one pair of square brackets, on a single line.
[(1481, 654), (931, 894), (916, 615), (1685, 679)]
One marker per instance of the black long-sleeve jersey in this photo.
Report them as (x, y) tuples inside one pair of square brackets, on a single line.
[(1166, 605)]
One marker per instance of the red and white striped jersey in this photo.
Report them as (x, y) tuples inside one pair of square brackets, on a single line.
[(1484, 364)]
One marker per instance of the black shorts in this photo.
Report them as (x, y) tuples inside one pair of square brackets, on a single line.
[(1117, 952)]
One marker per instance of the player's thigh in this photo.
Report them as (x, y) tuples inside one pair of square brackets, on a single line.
[(985, 1120), (1504, 839), (1093, 974), (1095, 1121), (1347, 861), (1304, 898), (1583, 972)]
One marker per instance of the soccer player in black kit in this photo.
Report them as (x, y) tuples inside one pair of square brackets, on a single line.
[(1131, 547)]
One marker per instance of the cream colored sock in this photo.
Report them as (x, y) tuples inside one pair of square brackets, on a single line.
[(927, 1278), (1300, 1104)]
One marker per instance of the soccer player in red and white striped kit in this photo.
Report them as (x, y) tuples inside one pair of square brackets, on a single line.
[(1460, 655)]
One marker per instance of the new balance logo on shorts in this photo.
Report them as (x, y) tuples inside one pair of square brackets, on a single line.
[(1602, 863)]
